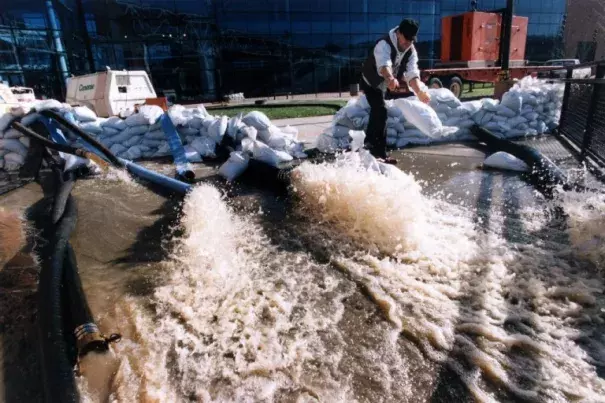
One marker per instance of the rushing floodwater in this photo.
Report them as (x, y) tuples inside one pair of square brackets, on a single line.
[(359, 288)]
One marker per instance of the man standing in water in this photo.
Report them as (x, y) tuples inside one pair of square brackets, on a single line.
[(393, 54)]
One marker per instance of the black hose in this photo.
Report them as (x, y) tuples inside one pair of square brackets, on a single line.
[(46, 142), (57, 370), (65, 182), (546, 175), (81, 133)]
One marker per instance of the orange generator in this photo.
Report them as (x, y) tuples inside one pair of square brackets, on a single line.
[(473, 40)]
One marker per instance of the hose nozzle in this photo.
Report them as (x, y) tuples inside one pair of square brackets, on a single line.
[(88, 338)]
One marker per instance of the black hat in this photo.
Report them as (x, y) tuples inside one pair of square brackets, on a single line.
[(409, 29)]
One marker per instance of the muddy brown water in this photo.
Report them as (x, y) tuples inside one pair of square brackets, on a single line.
[(127, 235)]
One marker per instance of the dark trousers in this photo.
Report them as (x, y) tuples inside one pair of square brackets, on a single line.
[(376, 134)]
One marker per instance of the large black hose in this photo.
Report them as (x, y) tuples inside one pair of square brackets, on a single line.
[(544, 173), (57, 370), (81, 133)]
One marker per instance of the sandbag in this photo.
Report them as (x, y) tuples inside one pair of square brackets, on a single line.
[(489, 104), (258, 120), (420, 115), (443, 96), (246, 132), (25, 141), (391, 132), (326, 143), (133, 153), (12, 134), (187, 131), (205, 146), (132, 141), (264, 153), (233, 126), (48, 104), (531, 116), (147, 115), (14, 146), (392, 141), (5, 120), (93, 127), (15, 158), (513, 101), (178, 115), (506, 112), (83, 114), (471, 107), (155, 135), (483, 117), (117, 149), (195, 122), (109, 131), (541, 128), (115, 123), (191, 154), (234, 166), (217, 130), (136, 130), (502, 160), (466, 124)]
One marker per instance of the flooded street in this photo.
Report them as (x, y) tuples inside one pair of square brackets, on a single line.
[(455, 284)]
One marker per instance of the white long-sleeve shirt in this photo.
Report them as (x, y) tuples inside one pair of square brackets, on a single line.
[(382, 54)]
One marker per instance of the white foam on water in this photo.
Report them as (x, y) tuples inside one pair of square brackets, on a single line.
[(513, 311), (236, 319)]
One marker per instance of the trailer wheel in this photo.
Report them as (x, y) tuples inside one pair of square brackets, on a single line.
[(456, 86), (435, 82)]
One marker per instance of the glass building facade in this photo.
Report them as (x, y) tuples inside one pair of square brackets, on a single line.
[(203, 49)]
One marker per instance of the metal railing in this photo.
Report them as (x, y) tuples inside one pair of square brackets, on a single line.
[(582, 120)]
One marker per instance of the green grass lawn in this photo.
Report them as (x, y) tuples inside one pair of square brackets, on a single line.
[(282, 112), (477, 91)]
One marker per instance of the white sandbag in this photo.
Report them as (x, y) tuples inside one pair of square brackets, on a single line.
[(521, 126), (217, 130), (187, 131), (493, 126), (339, 131), (505, 161), (115, 123), (133, 153), (278, 141), (498, 118), (234, 166), (93, 127), (531, 116), (466, 124), (398, 127), (5, 120), (541, 127), (155, 135), (504, 127), (517, 120), (117, 139), (205, 146), (132, 141), (20, 110), (442, 109), (442, 117), (25, 141), (264, 153), (143, 147), (246, 132), (3, 152), (420, 115), (512, 100), (12, 134), (483, 117), (233, 126), (117, 149), (14, 158), (393, 112), (443, 96), (14, 146), (191, 154), (355, 111), (506, 112), (392, 141), (136, 130), (453, 121), (179, 115), (147, 115), (83, 114), (489, 104), (47, 104), (258, 120), (471, 107), (414, 133), (195, 122), (109, 131)]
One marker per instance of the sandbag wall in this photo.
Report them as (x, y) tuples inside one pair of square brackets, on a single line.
[(139, 135), (531, 107)]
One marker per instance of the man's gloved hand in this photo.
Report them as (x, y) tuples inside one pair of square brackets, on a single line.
[(392, 83), (424, 97)]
